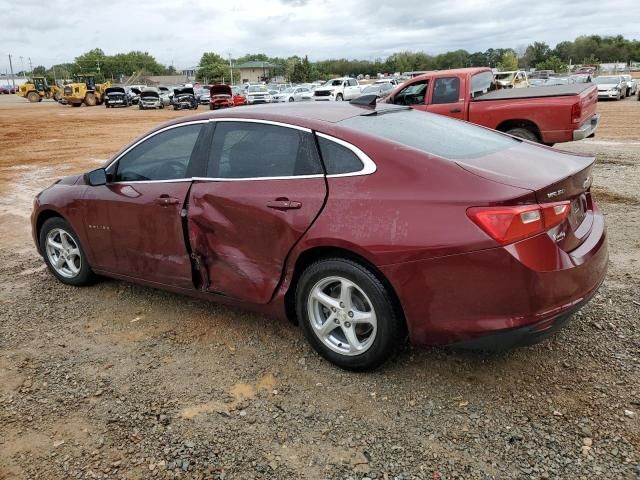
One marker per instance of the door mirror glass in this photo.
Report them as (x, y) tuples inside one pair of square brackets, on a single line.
[(96, 177)]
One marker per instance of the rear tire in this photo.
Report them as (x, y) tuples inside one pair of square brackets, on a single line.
[(347, 314), (524, 133), (90, 100), (339, 97), (63, 254), (33, 97)]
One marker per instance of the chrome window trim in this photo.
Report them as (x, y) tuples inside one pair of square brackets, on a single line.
[(368, 167)]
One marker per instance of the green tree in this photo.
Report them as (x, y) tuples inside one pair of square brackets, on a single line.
[(536, 53), (508, 61), (552, 63), (212, 67), (39, 71), (302, 71)]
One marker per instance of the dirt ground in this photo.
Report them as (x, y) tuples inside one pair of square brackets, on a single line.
[(121, 381)]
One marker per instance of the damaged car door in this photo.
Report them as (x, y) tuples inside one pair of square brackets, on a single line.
[(134, 221), (264, 187)]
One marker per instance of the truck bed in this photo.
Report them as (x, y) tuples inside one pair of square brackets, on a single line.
[(535, 92)]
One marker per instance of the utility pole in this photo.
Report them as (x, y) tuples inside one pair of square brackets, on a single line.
[(13, 80), (30, 66), (230, 68)]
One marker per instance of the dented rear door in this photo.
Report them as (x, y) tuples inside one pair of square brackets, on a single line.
[(263, 189)]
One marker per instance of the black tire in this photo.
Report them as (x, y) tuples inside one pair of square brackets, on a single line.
[(390, 326), (84, 276), (90, 100), (33, 97), (524, 133), (291, 99), (76, 105), (339, 98)]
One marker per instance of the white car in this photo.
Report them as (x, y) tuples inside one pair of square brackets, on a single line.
[(611, 86), (391, 80), (337, 89), (291, 94), (258, 94), (632, 85)]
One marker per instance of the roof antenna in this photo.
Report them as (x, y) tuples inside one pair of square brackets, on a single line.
[(365, 101)]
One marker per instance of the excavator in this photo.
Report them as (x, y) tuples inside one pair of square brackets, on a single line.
[(38, 88), (84, 89)]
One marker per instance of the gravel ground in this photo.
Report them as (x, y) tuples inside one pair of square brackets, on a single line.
[(121, 381)]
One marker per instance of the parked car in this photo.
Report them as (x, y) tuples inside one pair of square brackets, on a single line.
[(291, 94), (116, 97), (257, 94), (5, 89), (548, 115), (165, 95), (134, 95), (221, 96), (203, 96), (390, 80), (378, 89), (239, 97), (337, 89), (150, 98), (632, 86), (184, 98), (611, 86), (512, 79), (241, 205)]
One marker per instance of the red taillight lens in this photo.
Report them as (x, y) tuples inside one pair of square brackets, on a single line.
[(576, 112), (510, 224)]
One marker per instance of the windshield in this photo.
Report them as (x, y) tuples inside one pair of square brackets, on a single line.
[(505, 76), (333, 83), (372, 89), (431, 133), (288, 90), (601, 80), (257, 88)]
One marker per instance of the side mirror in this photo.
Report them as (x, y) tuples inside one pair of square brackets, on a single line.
[(96, 177)]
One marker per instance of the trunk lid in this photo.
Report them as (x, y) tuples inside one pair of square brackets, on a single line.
[(588, 101), (553, 176)]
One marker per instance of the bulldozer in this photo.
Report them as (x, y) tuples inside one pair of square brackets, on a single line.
[(84, 89), (38, 88)]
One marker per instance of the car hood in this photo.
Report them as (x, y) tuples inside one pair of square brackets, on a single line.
[(607, 86), (248, 94), (220, 90), (115, 90), (150, 94), (326, 89), (184, 91), (527, 166)]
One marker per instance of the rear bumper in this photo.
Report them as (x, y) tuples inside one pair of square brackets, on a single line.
[(460, 298), (588, 128)]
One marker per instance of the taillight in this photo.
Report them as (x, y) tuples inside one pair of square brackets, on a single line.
[(510, 224), (576, 112)]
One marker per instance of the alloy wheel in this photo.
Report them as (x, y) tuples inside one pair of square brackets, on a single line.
[(63, 253), (342, 316)]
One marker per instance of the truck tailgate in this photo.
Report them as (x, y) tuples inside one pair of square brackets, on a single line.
[(588, 104)]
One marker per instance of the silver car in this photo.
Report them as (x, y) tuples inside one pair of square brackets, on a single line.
[(611, 86), (291, 94), (632, 85)]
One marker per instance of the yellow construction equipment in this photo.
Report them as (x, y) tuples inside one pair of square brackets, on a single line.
[(38, 88), (84, 89)]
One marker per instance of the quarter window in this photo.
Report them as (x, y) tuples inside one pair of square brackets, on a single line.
[(164, 156), (257, 150), (446, 90), (338, 159)]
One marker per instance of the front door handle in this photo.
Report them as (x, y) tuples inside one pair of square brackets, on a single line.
[(284, 204), (456, 110), (166, 200)]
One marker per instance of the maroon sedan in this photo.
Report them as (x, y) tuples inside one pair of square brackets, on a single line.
[(359, 223)]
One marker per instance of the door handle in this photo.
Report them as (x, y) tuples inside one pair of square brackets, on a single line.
[(284, 204), (166, 200), (455, 110)]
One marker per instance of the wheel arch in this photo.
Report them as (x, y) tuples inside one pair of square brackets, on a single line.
[(519, 123), (313, 254), (42, 217)]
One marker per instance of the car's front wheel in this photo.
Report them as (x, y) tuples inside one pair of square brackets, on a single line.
[(347, 314), (63, 253)]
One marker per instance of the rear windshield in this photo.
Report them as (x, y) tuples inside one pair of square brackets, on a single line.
[(605, 80), (431, 133)]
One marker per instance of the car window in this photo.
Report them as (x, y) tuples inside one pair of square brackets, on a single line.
[(337, 158), (446, 90), (413, 94), (256, 150), (352, 82), (164, 156), (481, 83)]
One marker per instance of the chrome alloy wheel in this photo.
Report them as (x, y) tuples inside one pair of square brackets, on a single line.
[(63, 253), (342, 316)]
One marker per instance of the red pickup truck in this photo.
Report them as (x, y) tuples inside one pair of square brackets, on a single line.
[(548, 115)]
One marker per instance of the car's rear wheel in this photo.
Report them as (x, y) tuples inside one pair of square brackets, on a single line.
[(523, 133), (347, 314), (63, 253), (339, 97)]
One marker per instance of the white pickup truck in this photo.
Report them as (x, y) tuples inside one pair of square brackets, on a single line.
[(337, 89)]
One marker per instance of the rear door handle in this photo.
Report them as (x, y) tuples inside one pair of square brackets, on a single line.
[(166, 200), (455, 110), (284, 204)]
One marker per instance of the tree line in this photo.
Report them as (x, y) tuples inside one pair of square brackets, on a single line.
[(588, 49)]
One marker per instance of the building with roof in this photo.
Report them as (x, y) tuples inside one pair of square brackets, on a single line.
[(255, 72)]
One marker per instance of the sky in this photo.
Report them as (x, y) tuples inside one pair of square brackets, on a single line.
[(178, 33)]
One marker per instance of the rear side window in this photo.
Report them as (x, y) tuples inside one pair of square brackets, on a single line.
[(337, 158), (481, 83), (446, 90), (257, 150), (431, 133)]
